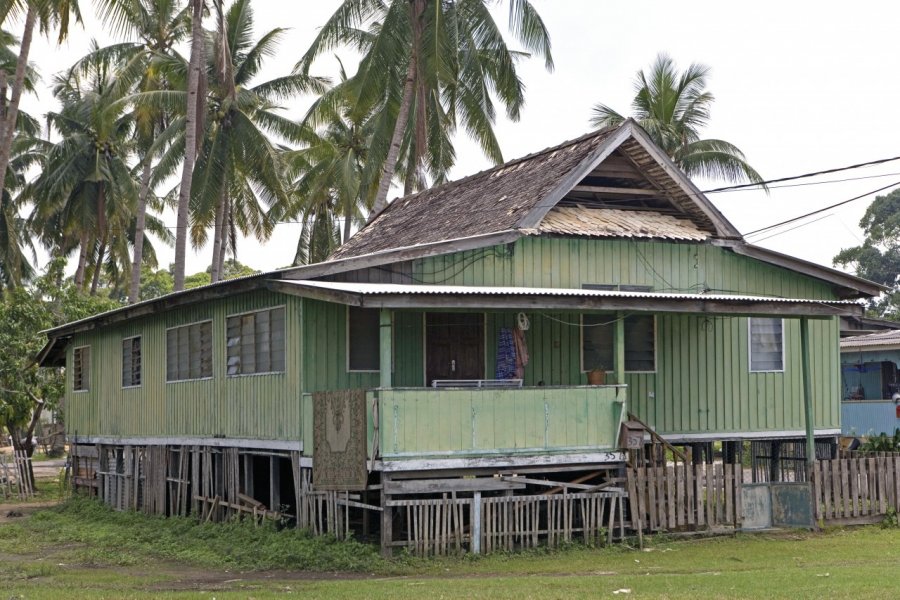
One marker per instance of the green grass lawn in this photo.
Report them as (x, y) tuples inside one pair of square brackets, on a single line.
[(81, 549)]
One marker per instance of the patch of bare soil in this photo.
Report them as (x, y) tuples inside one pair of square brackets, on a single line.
[(12, 511)]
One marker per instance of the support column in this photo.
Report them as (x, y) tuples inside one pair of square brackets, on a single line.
[(620, 348), (386, 353), (807, 399), (387, 518)]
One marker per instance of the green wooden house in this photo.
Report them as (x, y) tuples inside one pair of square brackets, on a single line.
[(396, 368)]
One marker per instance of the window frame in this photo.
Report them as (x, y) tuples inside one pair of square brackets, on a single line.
[(347, 340), (125, 339), (212, 346), (88, 388), (750, 346), (250, 312), (655, 344)]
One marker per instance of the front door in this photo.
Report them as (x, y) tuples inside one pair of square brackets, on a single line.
[(454, 346)]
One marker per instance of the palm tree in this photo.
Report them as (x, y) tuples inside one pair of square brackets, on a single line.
[(333, 170), (239, 171), (86, 189), (159, 25), (429, 65), (673, 107), (48, 15)]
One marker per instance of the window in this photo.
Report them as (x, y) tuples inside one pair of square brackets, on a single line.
[(363, 339), (766, 344), (598, 342), (131, 362), (81, 369), (189, 352), (256, 342)]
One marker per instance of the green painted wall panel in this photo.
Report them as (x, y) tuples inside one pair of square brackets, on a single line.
[(265, 406), (472, 422)]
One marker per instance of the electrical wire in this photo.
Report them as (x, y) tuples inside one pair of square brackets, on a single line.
[(820, 210), (803, 176)]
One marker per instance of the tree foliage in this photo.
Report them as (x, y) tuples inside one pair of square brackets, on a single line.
[(878, 257), (673, 108)]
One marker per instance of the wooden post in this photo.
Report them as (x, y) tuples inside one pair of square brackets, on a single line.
[(387, 518), (386, 353), (809, 416), (807, 399), (274, 483), (619, 360), (475, 525)]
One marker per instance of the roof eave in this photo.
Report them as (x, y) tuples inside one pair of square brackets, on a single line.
[(859, 287)]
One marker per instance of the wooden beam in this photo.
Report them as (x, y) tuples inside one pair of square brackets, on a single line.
[(386, 352), (313, 292), (737, 308), (606, 189), (807, 397), (438, 486), (501, 462), (619, 359)]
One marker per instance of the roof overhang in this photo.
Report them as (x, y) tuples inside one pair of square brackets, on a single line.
[(848, 285), (448, 297)]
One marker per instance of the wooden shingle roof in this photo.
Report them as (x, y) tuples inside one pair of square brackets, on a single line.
[(493, 200), (518, 195)]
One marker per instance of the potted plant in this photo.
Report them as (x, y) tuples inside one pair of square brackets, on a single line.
[(597, 376)]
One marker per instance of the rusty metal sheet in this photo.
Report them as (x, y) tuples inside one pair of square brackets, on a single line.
[(792, 505)]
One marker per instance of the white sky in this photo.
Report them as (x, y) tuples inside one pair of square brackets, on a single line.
[(800, 86)]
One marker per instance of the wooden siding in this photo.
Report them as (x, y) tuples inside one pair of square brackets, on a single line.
[(478, 422), (265, 406), (702, 381)]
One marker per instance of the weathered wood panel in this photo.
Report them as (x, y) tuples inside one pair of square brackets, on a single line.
[(475, 422), (264, 406)]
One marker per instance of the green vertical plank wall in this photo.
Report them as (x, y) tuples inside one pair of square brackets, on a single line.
[(264, 407), (702, 382)]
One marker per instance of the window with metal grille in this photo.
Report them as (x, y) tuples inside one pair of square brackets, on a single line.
[(256, 342), (363, 339), (766, 344), (189, 352), (598, 342), (81, 369), (131, 361)]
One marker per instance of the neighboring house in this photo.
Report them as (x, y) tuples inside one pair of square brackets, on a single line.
[(870, 383), (615, 260)]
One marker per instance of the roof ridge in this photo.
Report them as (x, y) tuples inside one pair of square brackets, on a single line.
[(456, 182)]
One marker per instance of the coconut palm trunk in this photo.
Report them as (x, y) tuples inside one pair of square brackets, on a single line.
[(134, 293), (416, 7), (190, 142), (12, 110), (82, 259), (215, 272)]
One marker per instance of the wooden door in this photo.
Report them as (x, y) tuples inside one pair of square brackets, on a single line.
[(454, 346)]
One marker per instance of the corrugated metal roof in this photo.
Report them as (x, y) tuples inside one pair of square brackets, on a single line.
[(373, 289), (611, 222), (890, 337)]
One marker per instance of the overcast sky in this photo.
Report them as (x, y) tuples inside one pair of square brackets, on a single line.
[(800, 86)]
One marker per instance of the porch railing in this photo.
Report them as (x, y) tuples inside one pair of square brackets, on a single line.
[(422, 422)]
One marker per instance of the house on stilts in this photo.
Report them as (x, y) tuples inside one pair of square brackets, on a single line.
[(386, 391)]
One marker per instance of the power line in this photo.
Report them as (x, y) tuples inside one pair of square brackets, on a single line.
[(793, 228), (803, 176), (821, 210), (829, 181)]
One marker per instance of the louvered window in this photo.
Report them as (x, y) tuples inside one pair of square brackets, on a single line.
[(766, 344), (81, 369), (189, 352), (256, 342), (598, 342), (131, 362)]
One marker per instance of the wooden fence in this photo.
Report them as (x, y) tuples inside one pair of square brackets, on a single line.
[(685, 496), (437, 526), (857, 488), (16, 475)]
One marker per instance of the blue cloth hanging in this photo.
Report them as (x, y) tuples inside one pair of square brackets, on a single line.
[(506, 355)]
